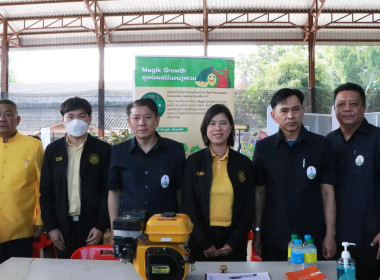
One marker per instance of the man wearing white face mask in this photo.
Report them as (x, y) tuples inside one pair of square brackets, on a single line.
[(74, 183)]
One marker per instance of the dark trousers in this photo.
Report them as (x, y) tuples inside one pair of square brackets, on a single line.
[(75, 239), (16, 248), (219, 236), (273, 254), (367, 267)]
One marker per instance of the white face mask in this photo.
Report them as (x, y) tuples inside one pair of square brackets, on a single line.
[(76, 127)]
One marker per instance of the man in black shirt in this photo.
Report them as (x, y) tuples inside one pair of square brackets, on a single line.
[(294, 183), (145, 171), (356, 146)]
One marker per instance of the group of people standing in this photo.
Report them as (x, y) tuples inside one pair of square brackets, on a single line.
[(326, 187), (298, 182)]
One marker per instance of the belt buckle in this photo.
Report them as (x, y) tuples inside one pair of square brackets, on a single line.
[(75, 218)]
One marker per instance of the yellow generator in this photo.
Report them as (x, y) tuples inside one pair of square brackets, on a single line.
[(160, 252)]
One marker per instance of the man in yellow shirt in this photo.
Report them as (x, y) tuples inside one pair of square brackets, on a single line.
[(74, 182), (20, 168)]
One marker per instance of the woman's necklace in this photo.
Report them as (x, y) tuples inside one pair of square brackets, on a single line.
[(220, 155)]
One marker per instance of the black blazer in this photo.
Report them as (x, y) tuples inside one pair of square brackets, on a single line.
[(196, 196), (93, 173)]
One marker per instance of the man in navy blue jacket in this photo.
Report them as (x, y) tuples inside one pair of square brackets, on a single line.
[(356, 145), (294, 183), (145, 171)]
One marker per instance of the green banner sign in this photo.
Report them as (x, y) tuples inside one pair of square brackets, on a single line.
[(171, 129), (184, 72), (183, 89)]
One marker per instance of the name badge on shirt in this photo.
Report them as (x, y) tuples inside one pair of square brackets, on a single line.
[(165, 181), (359, 160), (311, 172)]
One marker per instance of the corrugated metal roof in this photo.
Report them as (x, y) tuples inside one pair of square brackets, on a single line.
[(32, 119), (26, 9), (143, 6), (352, 5), (69, 89), (60, 23), (51, 95)]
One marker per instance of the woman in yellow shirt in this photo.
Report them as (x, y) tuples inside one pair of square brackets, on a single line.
[(218, 192)]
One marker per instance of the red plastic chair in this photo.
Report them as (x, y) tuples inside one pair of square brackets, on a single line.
[(94, 252), (44, 242)]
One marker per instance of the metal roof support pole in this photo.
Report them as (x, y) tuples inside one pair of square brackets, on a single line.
[(205, 28), (101, 79), (311, 45), (4, 61)]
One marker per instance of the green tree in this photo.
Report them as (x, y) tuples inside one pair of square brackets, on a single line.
[(269, 68), (360, 65), (12, 75)]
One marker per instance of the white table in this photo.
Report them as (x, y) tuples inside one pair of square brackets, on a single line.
[(276, 270), (61, 269)]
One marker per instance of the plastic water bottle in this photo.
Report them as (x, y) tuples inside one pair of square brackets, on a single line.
[(310, 253), (306, 237), (297, 259), (290, 246)]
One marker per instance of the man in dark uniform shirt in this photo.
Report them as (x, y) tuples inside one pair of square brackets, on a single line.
[(145, 171), (294, 183), (356, 146)]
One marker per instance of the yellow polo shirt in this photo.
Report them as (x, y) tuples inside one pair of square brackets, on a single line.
[(222, 193), (20, 170), (73, 177)]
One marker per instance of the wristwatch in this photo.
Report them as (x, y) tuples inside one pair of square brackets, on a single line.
[(256, 229)]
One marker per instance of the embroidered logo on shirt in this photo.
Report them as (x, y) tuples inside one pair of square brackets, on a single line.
[(241, 176), (165, 181), (359, 160), (200, 173), (58, 158), (311, 172), (94, 159)]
